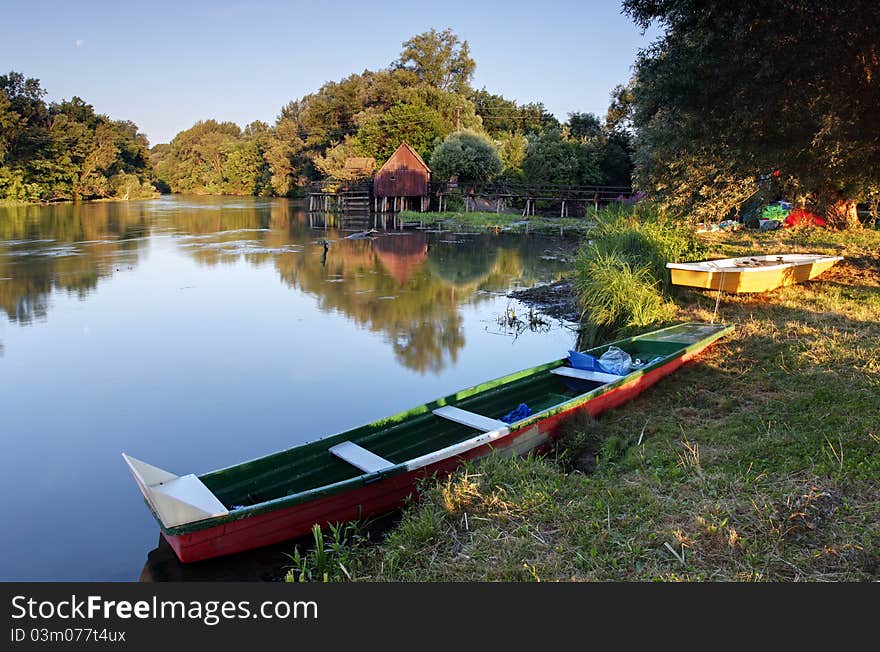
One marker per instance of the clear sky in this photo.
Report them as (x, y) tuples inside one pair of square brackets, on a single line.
[(165, 65)]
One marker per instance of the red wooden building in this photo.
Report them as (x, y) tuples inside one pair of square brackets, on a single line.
[(403, 182)]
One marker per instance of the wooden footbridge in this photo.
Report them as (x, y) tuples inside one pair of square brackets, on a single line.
[(340, 196), (357, 197)]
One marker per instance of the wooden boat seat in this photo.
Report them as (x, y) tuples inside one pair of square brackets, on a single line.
[(471, 419), (360, 457), (585, 374)]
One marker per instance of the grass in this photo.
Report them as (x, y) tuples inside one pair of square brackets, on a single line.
[(621, 277), (328, 559), (758, 462), (501, 222), (618, 293)]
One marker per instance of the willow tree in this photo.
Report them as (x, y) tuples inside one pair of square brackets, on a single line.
[(731, 92), (467, 155)]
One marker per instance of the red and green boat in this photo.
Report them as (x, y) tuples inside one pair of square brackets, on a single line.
[(374, 468)]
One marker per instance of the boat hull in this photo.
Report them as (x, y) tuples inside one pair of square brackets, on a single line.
[(392, 492), (736, 281)]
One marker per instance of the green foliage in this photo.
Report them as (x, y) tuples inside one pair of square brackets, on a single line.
[(244, 170), (216, 158), (617, 158), (502, 116), (467, 155), (332, 163), (439, 59), (622, 280), (645, 235), (731, 92), (584, 125), (65, 150), (553, 158), (615, 293), (330, 561), (618, 118), (512, 147), (611, 139), (415, 123)]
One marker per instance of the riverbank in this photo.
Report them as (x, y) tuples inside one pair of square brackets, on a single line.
[(14, 203), (757, 462), (501, 222), (555, 300)]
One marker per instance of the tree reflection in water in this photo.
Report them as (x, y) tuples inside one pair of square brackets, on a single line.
[(67, 247), (408, 286)]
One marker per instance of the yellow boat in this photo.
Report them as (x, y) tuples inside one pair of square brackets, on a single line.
[(751, 273)]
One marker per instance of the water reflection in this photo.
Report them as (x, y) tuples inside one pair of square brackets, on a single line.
[(407, 285), (64, 247), (196, 333)]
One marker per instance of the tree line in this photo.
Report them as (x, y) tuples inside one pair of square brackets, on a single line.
[(729, 100), (66, 151), (423, 98)]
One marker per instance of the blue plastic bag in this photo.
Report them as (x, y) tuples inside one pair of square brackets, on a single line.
[(586, 361), (613, 361)]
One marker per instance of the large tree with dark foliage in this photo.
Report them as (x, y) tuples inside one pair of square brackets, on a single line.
[(733, 91)]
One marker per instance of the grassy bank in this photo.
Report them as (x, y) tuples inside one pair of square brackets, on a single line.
[(485, 221), (760, 461)]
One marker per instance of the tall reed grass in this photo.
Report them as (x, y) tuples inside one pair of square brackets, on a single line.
[(621, 278)]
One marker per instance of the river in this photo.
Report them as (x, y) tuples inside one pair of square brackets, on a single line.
[(195, 333)]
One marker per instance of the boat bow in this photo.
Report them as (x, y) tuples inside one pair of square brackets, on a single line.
[(176, 500)]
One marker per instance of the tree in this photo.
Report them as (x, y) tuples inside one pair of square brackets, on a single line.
[(616, 162), (467, 155), (416, 123), (198, 156), (512, 149), (734, 91), (333, 163), (584, 125), (619, 115), (65, 150), (439, 59), (244, 171), (284, 156), (500, 115), (22, 113), (552, 158)]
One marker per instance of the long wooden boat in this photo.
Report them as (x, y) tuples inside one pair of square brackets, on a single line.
[(751, 273), (374, 468)]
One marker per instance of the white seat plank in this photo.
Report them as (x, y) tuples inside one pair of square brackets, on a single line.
[(471, 419), (585, 374), (360, 457)]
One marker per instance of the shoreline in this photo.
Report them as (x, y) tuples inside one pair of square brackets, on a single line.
[(731, 469), (502, 222)]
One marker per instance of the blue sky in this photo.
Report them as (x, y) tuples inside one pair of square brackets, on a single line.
[(165, 65)]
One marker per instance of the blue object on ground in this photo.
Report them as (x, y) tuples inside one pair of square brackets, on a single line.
[(521, 412)]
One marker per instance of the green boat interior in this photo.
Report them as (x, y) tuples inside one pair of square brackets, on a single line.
[(419, 431)]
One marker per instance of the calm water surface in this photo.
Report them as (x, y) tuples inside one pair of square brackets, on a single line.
[(195, 333)]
